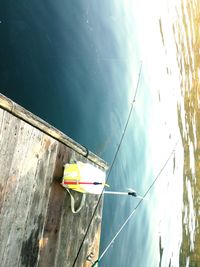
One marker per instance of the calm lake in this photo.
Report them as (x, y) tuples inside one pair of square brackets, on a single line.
[(76, 65)]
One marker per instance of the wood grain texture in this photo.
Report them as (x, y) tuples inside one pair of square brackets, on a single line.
[(37, 227)]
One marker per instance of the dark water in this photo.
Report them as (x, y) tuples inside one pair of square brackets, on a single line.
[(76, 64), (55, 63)]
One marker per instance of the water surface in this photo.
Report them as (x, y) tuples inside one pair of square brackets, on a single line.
[(76, 65)]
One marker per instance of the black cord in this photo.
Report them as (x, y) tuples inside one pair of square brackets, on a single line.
[(110, 170)]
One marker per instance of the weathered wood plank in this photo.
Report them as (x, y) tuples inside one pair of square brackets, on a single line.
[(23, 190), (55, 206), (8, 138), (37, 122), (38, 204), (64, 231), (75, 225), (37, 227)]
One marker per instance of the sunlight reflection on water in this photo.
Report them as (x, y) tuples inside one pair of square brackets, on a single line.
[(186, 37), (179, 94)]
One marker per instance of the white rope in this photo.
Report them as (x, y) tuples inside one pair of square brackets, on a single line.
[(121, 228), (73, 202), (142, 198)]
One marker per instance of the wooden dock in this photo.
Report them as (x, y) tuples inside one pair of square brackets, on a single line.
[(37, 227)]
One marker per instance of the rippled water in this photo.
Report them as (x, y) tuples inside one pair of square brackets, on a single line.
[(76, 65), (186, 36), (187, 39), (171, 74)]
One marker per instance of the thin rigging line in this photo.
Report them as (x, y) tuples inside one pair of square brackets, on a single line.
[(126, 125), (116, 153), (139, 203)]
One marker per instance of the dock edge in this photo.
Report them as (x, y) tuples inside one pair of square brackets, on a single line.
[(25, 115)]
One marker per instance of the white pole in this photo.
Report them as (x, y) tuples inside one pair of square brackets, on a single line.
[(130, 193), (115, 193)]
